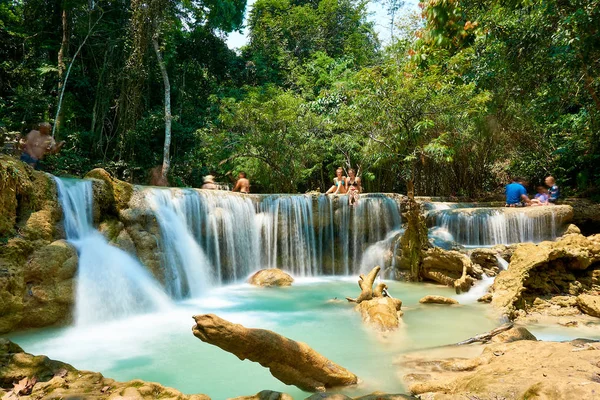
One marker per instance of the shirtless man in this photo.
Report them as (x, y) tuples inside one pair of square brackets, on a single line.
[(242, 185), (37, 144)]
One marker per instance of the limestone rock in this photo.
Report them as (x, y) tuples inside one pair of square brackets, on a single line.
[(293, 363), (486, 298), (449, 268), (372, 396), (36, 288), (58, 380), (383, 313), (486, 258), (589, 304), (586, 214), (110, 194), (271, 277), (547, 269), (572, 229), (265, 395), (433, 299), (518, 370), (512, 335)]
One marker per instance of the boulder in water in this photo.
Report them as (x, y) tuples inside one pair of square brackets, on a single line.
[(450, 268), (589, 304), (486, 298), (433, 299), (271, 277), (293, 363), (548, 269), (512, 335)]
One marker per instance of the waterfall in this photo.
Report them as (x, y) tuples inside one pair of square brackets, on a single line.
[(187, 268), (488, 227), (234, 235), (481, 287), (111, 284)]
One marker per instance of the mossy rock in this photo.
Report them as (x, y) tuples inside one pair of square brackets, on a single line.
[(121, 191)]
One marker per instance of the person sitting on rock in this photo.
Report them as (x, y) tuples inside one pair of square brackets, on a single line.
[(37, 144), (553, 192), (353, 187), (209, 183), (541, 198), (516, 194), (339, 183), (243, 184)]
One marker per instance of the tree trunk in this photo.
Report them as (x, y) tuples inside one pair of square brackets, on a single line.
[(64, 47), (166, 150), (414, 241)]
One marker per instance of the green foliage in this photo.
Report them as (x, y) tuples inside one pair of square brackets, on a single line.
[(464, 96)]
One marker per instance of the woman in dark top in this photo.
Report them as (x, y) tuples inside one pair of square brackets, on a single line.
[(353, 187)]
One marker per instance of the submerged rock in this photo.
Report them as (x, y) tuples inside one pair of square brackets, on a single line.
[(43, 378), (271, 277), (569, 266), (518, 370), (293, 363), (433, 299)]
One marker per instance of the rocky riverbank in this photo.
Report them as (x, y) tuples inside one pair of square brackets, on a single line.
[(522, 369), (558, 279)]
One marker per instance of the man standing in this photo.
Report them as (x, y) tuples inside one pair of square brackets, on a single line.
[(242, 185), (516, 194), (37, 144)]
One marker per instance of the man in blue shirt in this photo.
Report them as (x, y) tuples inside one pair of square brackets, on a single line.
[(516, 194)]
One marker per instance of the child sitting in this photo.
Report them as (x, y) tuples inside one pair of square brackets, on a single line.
[(553, 192), (541, 198)]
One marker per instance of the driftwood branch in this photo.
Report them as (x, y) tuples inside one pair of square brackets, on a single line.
[(293, 363), (366, 285), (486, 337)]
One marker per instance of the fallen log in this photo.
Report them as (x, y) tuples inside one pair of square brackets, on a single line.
[(293, 363), (486, 337)]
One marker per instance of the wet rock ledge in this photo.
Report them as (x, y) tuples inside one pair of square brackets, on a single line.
[(25, 376)]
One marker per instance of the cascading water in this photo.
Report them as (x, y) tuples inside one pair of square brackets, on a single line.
[(187, 269), (241, 234), (111, 284), (481, 287), (488, 227)]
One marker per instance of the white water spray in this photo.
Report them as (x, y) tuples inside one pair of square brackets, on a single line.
[(111, 284)]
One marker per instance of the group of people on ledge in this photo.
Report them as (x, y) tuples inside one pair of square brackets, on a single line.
[(350, 185), (516, 193)]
